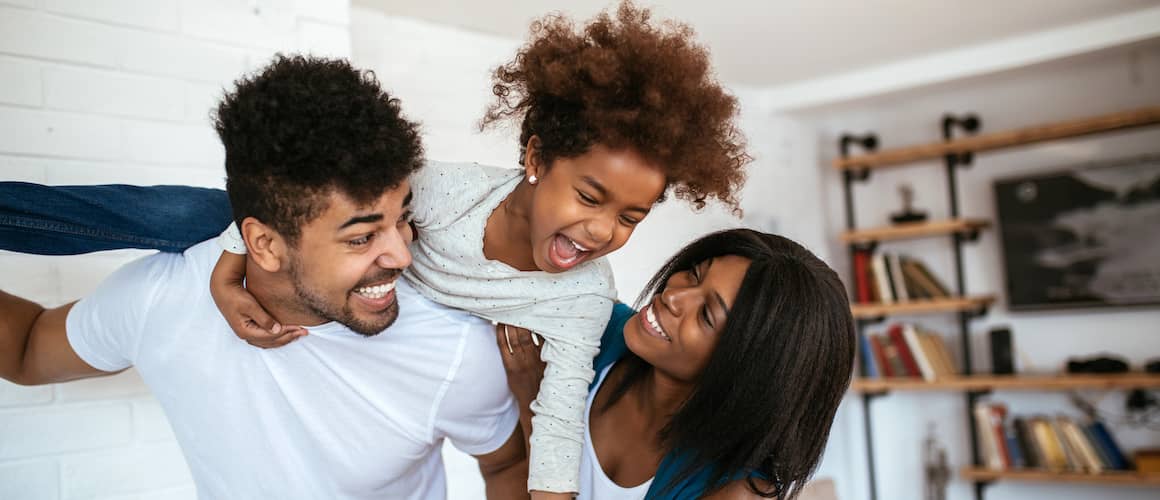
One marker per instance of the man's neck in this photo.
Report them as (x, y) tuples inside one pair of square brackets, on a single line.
[(275, 293)]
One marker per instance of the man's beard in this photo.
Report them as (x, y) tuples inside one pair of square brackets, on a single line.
[(342, 313)]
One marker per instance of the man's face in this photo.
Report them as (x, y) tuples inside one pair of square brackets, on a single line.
[(347, 260)]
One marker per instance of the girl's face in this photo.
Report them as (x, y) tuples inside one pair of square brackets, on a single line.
[(678, 331), (585, 207)]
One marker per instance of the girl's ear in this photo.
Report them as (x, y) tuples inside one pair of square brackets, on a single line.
[(264, 244), (534, 167)]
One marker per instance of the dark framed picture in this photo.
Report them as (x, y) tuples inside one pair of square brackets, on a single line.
[(1085, 236)]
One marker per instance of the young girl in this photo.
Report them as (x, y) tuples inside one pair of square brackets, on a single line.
[(611, 116)]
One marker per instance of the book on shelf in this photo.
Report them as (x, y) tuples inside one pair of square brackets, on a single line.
[(889, 278), (907, 350), (866, 357), (921, 357), (862, 277), (883, 367), (897, 283), (1057, 444), (1086, 456), (988, 445), (1032, 454), (924, 279), (904, 354), (1053, 457), (1104, 441), (894, 364), (1015, 451), (884, 293)]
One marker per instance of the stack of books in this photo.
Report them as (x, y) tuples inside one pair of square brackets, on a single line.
[(1057, 444), (907, 350), (891, 278)]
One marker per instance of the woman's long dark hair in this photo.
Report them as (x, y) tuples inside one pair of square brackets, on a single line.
[(767, 397)]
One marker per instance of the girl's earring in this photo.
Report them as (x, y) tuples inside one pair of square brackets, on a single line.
[(532, 179)]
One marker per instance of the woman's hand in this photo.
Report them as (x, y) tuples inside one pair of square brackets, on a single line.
[(520, 351), (243, 313)]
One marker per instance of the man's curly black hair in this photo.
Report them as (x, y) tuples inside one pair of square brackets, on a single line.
[(304, 127)]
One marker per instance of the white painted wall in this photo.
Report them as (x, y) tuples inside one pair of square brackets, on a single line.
[(1077, 87), (118, 91)]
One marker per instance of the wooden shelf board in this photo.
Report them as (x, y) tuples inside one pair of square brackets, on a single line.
[(1127, 478), (921, 306), (1008, 383), (914, 230), (1004, 139)]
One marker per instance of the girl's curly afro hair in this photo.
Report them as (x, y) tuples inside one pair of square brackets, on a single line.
[(624, 82)]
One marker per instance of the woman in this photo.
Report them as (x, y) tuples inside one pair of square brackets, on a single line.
[(723, 385)]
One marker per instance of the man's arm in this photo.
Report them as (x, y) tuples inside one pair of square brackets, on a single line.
[(34, 347), (505, 471)]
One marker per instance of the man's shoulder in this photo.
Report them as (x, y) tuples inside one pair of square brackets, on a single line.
[(415, 308)]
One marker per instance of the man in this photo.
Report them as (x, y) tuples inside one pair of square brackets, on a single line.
[(317, 159)]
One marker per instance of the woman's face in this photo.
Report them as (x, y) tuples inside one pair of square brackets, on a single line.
[(677, 332), (585, 207)]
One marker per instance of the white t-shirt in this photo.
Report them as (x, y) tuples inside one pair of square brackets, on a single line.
[(331, 415), (594, 483)]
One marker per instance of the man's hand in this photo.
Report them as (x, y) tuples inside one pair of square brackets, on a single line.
[(34, 348)]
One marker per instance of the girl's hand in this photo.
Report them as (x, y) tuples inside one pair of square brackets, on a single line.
[(243, 313), (520, 351)]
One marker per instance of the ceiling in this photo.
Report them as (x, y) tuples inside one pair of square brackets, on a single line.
[(773, 42)]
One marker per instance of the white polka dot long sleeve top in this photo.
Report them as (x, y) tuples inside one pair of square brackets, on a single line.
[(452, 202)]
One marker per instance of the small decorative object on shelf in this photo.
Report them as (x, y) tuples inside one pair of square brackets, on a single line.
[(908, 212), (934, 460)]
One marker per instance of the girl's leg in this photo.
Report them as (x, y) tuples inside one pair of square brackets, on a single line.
[(69, 220)]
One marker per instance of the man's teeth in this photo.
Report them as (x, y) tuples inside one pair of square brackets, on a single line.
[(652, 320), (377, 291)]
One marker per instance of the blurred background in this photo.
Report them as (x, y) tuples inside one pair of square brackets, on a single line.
[(119, 91)]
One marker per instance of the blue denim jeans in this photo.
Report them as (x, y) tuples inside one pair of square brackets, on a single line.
[(70, 220)]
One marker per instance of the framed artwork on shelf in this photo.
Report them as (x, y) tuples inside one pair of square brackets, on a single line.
[(1086, 236)]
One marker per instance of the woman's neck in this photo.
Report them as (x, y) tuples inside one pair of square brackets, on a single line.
[(658, 397), (507, 234)]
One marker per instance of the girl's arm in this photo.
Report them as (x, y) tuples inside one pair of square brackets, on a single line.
[(238, 306), (241, 310)]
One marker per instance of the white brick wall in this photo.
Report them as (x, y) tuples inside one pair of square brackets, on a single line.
[(106, 91), (100, 92)]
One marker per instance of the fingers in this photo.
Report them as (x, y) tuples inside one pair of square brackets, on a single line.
[(517, 342), (259, 329), (266, 340), (254, 314)]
